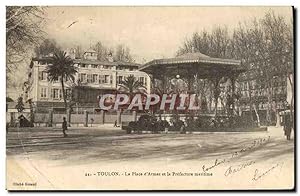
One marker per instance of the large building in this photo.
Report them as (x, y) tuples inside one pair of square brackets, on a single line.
[(255, 94), (92, 79)]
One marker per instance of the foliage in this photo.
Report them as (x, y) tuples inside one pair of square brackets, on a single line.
[(63, 69), (264, 46), (23, 30), (48, 46), (215, 43), (121, 52), (131, 85)]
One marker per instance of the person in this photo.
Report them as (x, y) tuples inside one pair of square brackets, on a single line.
[(287, 127), (116, 124), (64, 126)]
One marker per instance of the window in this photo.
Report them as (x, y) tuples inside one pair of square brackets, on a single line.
[(141, 79), (95, 78), (83, 77), (56, 93), (94, 66), (68, 93), (120, 79), (106, 79), (43, 75), (44, 92), (101, 79), (89, 78)]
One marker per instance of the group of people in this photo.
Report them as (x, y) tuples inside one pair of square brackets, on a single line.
[(287, 126)]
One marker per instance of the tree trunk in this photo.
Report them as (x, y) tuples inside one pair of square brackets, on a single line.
[(292, 99), (216, 93), (68, 110), (257, 115), (250, 103), (64, 94), (268, 115), (277, 119)]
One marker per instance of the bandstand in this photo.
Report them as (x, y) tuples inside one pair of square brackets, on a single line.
[(194, 65)]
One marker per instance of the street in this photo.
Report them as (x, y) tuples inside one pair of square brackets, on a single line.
[(39, 151)]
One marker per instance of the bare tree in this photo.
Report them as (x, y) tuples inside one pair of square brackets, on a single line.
[(216, 43), (265, 47), (123, 54), (23, 30), (101, 50)]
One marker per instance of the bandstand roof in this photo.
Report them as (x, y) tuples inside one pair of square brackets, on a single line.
[(193, 63)]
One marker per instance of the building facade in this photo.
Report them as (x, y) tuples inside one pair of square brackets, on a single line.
[(254, 95), (92, 79)]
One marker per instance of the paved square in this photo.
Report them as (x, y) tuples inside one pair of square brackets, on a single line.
[(41, 150)]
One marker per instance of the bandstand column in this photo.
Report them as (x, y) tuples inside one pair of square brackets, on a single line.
[(233, 80), (189, 82), (216, 91)]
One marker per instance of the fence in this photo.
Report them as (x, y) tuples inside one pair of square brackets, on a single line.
[(85, 119)]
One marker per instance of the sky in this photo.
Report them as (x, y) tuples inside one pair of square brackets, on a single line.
[(149, 32)]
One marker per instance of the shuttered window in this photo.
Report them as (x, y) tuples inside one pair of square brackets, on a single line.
[(55, 93), (44, 92)]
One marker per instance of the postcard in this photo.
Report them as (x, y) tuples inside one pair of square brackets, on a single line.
[(150, 98)]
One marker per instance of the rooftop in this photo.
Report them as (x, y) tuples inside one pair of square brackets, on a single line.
[(192, 62), (91, 62)]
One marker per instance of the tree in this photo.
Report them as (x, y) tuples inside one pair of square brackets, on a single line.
[(78, 52), (47, 47), (123, 54), (101, 51), (216, 43), (131, 85), (265, 48), (63, 69), (20, 104), (279, 38), (23, 30)]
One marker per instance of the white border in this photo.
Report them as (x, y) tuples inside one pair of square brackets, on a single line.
[(113, 2)]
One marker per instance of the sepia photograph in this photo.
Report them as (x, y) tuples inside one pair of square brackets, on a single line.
[(124, 98)]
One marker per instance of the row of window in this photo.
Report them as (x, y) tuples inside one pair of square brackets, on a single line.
[(43, 76), (263, 92), (94, 66), (264, 105), (94, 78), (54, 93), (142, 80), (109, 67)]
